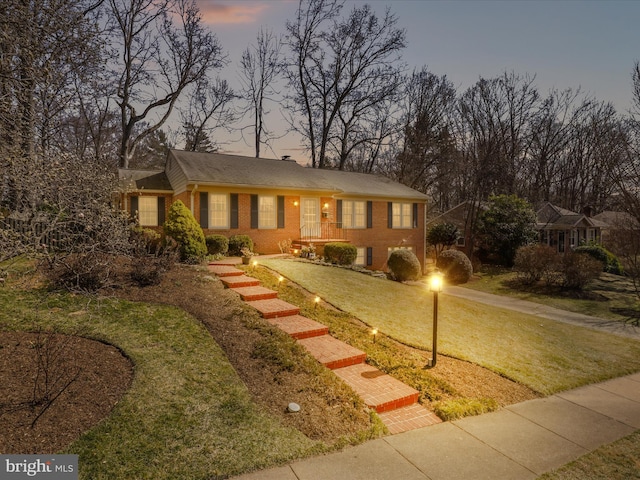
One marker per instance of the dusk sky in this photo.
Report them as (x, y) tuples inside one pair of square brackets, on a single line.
[(587, 44)]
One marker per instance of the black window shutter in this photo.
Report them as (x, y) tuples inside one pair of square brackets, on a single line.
[(254, 211), (390, 215), (134, 206), (339, 213), (415, 216), (204, 209), (280, 211), (369, 214), (161, 204), (369, 256), (234, 210)]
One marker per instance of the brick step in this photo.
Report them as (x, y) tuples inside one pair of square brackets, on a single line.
[(300, 327), (249, 294), (379, 391), (227, 261), (332, 353), (224, 270), (408, 418), (238, 281), (274, 307)]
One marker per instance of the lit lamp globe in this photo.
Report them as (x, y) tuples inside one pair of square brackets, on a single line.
[(435, 282)]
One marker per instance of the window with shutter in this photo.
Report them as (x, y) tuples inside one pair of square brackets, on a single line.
[(401, 215), (218, 211), (267, 211), (354, 214), (148, 211)]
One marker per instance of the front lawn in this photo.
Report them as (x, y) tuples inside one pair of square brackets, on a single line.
[(187, 415), (545, 355), (600, 296)]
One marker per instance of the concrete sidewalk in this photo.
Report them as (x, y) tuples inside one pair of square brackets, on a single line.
[(518, 442)]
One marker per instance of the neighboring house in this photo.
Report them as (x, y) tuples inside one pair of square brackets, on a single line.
[(274, 201), (563, 229), (557, 227), (463, 217)]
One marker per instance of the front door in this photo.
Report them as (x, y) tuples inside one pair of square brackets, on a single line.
[(310, 217)]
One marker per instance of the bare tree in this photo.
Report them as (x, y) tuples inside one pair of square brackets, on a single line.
[(210, 107), (626, 230), (163, 48), (260, 68), (425, 145), (45, 46), (597, 146), (495, 132), (337, 69), (551, 131)]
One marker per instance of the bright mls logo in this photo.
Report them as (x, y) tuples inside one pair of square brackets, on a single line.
[(50, 467)]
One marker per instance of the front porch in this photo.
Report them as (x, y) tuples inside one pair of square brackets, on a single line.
[(314, 236)]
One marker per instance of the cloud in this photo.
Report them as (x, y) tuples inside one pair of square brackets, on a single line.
[(220, 12)]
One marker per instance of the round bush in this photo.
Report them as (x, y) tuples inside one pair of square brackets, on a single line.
[(609, 260), (455, 266), (534, 262), (578, 269), (217, 244), (184, 229), (340, 253), (404, 265), (237, 243)]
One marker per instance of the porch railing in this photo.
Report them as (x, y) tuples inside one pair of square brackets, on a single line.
[(322, 231)]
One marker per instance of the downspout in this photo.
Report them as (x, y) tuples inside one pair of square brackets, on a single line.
[(193, 193)]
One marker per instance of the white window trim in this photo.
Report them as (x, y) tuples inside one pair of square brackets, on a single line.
[(151, 212), (401, 215), (227, 207), (353, 224), (267, 223)]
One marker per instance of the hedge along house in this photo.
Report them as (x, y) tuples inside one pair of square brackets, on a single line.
[(276, 201)]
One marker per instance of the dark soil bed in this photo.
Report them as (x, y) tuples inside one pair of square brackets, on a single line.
[(88, 377)]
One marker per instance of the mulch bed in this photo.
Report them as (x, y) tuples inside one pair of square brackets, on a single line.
[(97, 375)]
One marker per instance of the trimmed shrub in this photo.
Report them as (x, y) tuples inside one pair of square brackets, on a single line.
[(183, 228), (455, 266), (578, 269), (217, 244), (534, 262), (340, 253), (610, 261), (237, 243), (404, 265)]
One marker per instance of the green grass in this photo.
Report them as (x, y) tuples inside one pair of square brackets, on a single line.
[(545, 355), (187, 414), (617, 460), (385, 354), (616, 289)]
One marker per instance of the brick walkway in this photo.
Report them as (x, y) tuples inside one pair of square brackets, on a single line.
[(395, 402)]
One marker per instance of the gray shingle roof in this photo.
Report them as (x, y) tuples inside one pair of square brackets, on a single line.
[(222, 169), (144, 179)]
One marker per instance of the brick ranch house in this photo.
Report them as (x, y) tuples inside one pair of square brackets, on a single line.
[(274, 201)]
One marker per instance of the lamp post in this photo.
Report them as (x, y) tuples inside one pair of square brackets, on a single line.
[(435, 285)]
